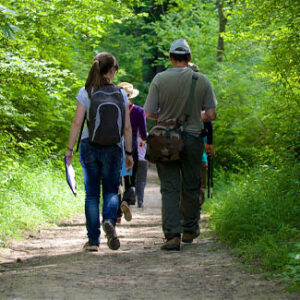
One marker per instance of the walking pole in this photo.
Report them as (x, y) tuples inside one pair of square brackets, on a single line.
[(212, 176), (208, 176)]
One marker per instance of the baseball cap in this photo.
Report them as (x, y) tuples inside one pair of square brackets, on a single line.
[(180, 47)]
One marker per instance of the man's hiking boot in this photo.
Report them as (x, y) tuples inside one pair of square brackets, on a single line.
[(126, 211), (88, 246), (111, 235), (172, 244), (188, 237)]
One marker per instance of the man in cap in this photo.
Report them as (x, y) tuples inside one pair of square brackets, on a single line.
[(180, 180), (138, 125)]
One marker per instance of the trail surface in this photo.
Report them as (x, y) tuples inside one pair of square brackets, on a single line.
[(51, 265)]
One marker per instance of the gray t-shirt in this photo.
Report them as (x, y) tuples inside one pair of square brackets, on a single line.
[(84, 99), (168, 94)]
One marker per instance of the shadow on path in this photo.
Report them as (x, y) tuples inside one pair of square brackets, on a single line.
[(51, 265)]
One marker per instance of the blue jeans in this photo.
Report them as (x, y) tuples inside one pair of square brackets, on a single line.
[(101, 166)]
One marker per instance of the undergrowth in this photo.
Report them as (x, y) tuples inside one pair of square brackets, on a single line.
[(257, 215), (34, 195)]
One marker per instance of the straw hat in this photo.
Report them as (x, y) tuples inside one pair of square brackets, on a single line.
[(130, 91)]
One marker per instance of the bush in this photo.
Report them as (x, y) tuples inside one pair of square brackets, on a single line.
[(32, 196), (257, 215)]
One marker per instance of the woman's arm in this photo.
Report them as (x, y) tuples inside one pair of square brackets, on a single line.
[(128, 140), (75, 128), (142, 126)]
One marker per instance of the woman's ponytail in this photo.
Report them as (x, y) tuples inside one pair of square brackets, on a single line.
[(103, 62)]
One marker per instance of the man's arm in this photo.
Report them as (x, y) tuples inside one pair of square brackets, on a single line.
[(209, 115), (151, 106), (151, 116), (209, 103)]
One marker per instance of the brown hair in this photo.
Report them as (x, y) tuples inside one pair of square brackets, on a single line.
[(103, 62), (180, 57)]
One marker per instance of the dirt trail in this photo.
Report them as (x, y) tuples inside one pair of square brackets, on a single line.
[(51, 264)]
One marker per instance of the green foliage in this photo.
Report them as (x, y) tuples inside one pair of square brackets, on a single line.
[(39, 101), (291, 273), (46, 49), (258, 85), (34, 193), (196, 21), (258, 215), (6, 19)]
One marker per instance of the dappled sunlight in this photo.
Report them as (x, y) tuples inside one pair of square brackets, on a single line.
[(247, 55)]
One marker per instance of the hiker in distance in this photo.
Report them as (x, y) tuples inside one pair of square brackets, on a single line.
[(138, 125), (208, 152), (180, 179), (106, 109)]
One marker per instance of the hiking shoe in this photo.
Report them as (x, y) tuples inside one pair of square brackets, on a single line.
[(172, 244), (88, 246), (132, 202), (126, 211), (111, 235), (130, 195), (188, 237)]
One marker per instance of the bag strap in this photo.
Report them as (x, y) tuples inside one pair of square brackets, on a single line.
[(80, 134), (189, 103), (131, 108)]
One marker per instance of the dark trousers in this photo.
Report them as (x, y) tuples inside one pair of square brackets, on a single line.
[(141, 180), (203, 183), (130, 180), (180, 189)]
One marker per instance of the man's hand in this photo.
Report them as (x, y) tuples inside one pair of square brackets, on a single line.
[(209, 149), (129, 162)]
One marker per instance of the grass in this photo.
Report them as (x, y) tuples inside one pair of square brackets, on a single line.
[(35, 196), (257, 215)]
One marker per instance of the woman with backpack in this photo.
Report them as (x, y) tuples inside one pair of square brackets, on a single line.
[(105, 107)]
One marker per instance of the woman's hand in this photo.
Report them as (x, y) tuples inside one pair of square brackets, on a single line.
[(69, 154), (129, 162)]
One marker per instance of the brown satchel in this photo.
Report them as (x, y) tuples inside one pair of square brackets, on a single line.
[(165, 139)]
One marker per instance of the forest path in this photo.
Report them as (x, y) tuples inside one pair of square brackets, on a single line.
[(52, 265)]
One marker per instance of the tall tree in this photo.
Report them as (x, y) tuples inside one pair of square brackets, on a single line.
[(222, 28)]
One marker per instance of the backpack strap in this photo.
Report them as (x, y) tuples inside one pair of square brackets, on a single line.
[(80, 134), (189, 103)]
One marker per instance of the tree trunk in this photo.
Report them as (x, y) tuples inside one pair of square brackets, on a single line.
[(150, 68), (222, 27)]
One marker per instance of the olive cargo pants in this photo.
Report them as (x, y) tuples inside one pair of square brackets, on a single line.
[(180, 189)]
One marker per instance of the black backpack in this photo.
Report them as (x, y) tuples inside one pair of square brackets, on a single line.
[(106, 116)]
